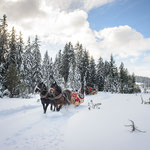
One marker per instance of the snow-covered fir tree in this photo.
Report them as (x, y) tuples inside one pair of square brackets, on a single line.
[(100, 75), (116, 80), (47, 70), (106, 76), (80, 63), (4, 45), (12, 78), (20, 49), (72, 68), (27, 72), (66, 63), (86, 68), (12, 54), (57, 69), (74, 78), (36, 68), (113, 76), (92, 73), (123, 77)]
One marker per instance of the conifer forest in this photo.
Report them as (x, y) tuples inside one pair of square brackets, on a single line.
[(22, 67)]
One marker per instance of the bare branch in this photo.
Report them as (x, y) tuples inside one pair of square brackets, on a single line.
[(91, 105), (133, 127)]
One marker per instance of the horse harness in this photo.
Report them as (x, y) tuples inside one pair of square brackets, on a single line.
[(53, 98)]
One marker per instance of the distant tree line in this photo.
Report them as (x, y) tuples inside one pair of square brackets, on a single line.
[(75, 68), (22, 68), (144, 80)]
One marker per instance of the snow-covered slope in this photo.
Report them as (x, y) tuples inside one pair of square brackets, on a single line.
[(23, 126)]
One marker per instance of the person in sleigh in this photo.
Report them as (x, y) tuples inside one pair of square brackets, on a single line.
[(77, 98)]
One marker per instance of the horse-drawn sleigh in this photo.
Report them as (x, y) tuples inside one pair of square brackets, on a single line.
[(56, 97), (90, 91)]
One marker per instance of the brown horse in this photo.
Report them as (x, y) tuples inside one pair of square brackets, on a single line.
[(61, 97)]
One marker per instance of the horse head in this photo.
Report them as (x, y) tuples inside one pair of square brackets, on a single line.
[(54, 85), (57, 89), (40, 87)]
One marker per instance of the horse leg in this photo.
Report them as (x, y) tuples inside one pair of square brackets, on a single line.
[(54, 107), (59, 107), (46, 108), (51, 108)]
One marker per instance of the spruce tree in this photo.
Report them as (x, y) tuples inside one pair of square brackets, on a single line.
[(80, 63), (100, 75), (20, 49), (74, 77), (59, 62), (123, 74), (92, 73), (47, 69), (3, 39), (106, 75), (12, 55), (4, 46), (57, 65), (133, 86), (65, 63), (72, 61), (12, 79), (112, 77), (86, 68), (36, 68), (27, 69), (116, 80)]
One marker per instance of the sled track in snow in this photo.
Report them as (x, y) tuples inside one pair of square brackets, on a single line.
[(17, 110), (31, 129)]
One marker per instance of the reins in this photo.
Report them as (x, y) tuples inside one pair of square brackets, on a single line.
[(51, 98)]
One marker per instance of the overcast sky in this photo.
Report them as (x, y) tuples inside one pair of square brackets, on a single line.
[(120, 27)]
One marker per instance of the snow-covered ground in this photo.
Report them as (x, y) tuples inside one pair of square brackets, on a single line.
[(23, 126)]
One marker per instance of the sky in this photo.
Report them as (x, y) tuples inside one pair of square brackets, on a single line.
[(104, 27)]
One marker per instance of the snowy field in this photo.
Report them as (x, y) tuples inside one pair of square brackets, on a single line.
[(23, 126)]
